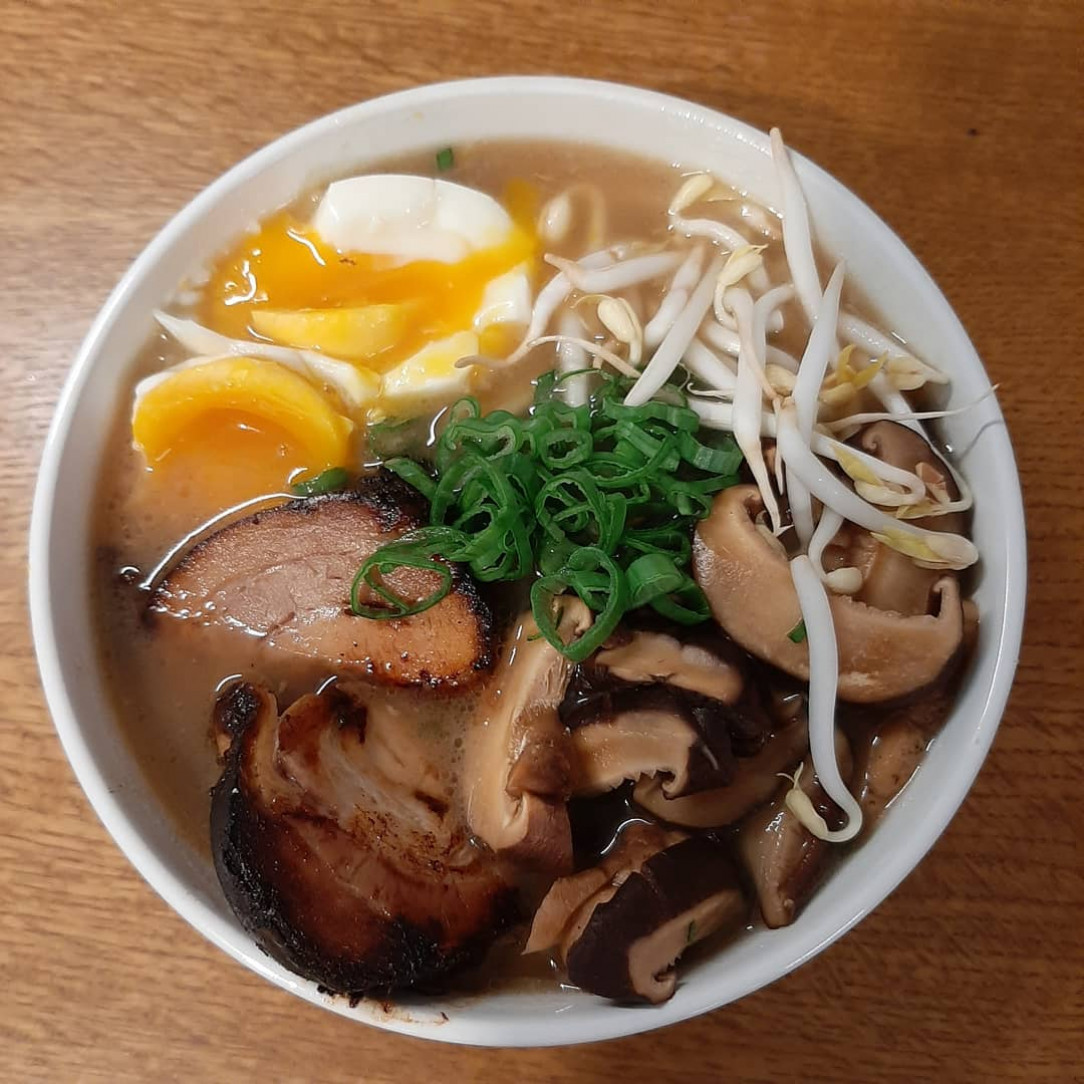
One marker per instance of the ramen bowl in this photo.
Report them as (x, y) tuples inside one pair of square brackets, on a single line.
[(609, 116)]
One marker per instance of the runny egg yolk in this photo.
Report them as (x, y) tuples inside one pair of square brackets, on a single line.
[(224, 430), (286, 266), (226, 457)]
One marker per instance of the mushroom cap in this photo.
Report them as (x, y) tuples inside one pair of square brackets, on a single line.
[(656, 657), (629, 718), (624, 731), (633, 744), (628, 947), (891, 580), (783, 859), (882, 654), (516, 760), (568, 905), (754, 780)]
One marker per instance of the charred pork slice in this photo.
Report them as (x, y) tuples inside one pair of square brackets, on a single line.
[(284, 576), (339, 849)]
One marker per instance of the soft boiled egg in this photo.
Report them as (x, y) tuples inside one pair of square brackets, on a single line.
[(232, 427), (389, 266), (312, 325)]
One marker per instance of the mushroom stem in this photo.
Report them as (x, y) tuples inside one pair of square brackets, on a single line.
[(823, 679)]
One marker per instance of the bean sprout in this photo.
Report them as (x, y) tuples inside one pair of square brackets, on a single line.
[(747, 404), (811, 370), (872, 477), (619, 275), (823, 685), (726, 340), (617, 316), (856, 421), (797, 238), (720, 415), (685, 278), (571, 357), (827, 528), (671, 350), (693, 190), (930, 549), (598, 352), (707, 366), (555, 220)]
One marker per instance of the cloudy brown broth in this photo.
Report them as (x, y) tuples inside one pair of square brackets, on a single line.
[(164, 701), (164, 689)]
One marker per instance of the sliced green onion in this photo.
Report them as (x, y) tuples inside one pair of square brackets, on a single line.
[(652, 575), (417, 550), (576, 442), (577, 575), (598, 500), (445, 159), (686, 606), (797, 634), (724, 460), (328, 481), (413, 474)]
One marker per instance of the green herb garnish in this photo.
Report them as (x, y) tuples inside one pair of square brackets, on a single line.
[(396, 436), (797, 634), (445, 159), (326, 482), (597, 501)]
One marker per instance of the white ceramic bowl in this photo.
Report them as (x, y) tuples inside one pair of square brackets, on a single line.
[(455, 113)]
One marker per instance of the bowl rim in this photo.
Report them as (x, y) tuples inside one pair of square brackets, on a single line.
[(140, 852)]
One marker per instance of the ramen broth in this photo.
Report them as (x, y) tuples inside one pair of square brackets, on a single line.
[(164, 693), (163, 701)]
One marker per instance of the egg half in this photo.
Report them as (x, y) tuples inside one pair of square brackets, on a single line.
[(368, 305), (388, 266)]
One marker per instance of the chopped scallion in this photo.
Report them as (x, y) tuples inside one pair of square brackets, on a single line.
[(445, 159), (598, 500), (328, 481), (797, 634)]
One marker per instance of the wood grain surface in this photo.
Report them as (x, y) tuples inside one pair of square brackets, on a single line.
[(959, 122)]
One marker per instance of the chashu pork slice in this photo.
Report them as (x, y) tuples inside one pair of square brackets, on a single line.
[(339, 846), (283, 577)]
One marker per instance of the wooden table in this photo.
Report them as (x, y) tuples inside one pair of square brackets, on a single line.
[(959, 123)]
